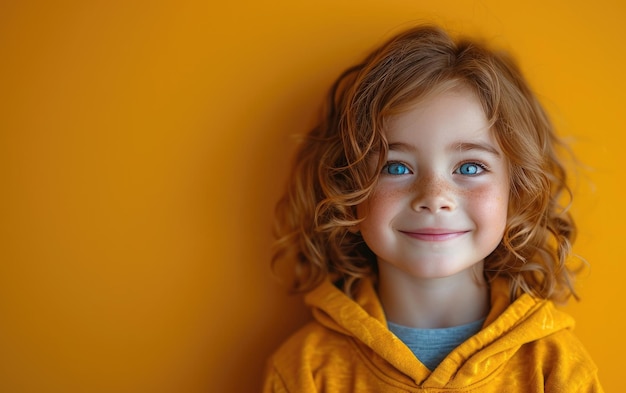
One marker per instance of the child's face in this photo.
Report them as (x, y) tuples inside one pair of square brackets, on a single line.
[(440, 204)]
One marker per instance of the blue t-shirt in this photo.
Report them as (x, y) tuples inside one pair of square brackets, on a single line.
[(431, 346)]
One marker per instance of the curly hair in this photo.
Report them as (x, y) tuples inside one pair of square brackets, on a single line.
[(315, 216)]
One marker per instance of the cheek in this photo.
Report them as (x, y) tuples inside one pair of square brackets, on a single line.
[(379, 208), (489, 204)]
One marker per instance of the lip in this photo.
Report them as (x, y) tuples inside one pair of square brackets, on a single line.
[(434, 234)]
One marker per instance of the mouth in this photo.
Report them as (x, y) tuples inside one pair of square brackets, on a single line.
[(434, 234)]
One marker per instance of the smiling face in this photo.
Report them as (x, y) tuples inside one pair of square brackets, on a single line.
[(440, 204)]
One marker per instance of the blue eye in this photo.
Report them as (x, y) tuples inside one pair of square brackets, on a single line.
[(396, 168), (470, 169)]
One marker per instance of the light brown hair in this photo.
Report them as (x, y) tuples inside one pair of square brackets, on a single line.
[(331, 176)]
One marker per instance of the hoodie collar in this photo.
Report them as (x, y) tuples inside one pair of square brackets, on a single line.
[(507, 326)]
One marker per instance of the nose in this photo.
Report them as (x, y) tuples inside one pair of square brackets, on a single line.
[(433, 195)]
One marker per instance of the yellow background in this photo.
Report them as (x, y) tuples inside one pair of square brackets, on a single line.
[(143, 144)]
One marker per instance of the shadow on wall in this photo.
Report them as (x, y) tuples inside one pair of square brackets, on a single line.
[(269, 314)]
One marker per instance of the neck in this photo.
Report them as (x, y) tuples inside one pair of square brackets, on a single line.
[(431, 303)]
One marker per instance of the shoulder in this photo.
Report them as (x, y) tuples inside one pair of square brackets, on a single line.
[(563, 361), (296, 362), (311, 344), (565, 346), (543, 346)]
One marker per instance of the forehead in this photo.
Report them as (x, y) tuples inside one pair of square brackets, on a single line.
[(452, 115)]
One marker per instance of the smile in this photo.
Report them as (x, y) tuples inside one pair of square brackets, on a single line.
[(434, 235)]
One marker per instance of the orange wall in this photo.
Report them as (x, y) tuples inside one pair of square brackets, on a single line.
[(143, 144)]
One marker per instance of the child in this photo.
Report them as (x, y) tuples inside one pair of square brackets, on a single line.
[(424, 219)]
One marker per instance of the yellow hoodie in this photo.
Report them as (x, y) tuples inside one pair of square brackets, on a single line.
[(525, 347)]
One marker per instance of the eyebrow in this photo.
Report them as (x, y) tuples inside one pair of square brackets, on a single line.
[(467, 146), (455, 146)]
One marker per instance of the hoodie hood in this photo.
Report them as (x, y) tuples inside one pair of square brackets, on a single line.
[(506, 329)]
